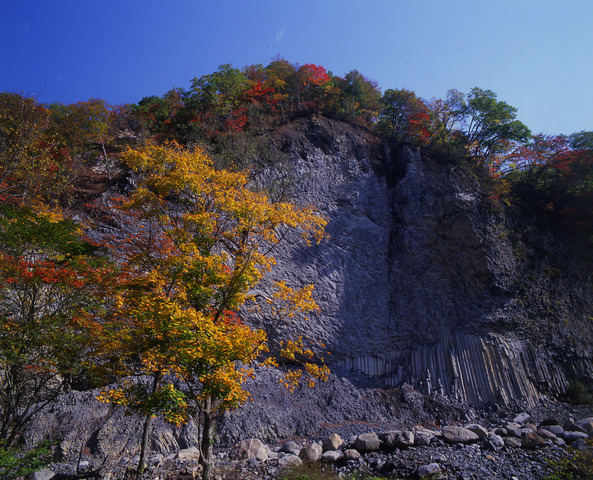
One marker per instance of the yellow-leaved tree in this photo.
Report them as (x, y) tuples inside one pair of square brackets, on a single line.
[(191, 243)]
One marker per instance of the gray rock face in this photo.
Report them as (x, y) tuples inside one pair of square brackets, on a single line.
[(424, 282)]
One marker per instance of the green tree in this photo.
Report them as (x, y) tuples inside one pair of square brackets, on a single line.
[(362, 98), (490, 124), (219, 94), (582, 140)]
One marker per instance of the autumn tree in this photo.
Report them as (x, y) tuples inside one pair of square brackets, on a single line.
[(33, 167), (195, 243), (48, 298), (404, 116), (309, 80), (79, 126)]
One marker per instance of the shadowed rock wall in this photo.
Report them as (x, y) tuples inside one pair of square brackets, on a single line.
[(424, 281)]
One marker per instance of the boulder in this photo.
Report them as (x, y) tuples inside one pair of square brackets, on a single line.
[(291, 447), (532, 440), (546, 434), (333, 442), (251, 448), (522, 418), (397, 439), (495, 442), (352, 454), (514, 430), (404, 439), (478, 430), (573, 427), (549, 421), (289, 460), (512, 442), (530, 426), (570, 436), (559, 441), (311, 452), (367, 442), (332, 456), (43, 474), (555, 429), (430, 469), (388, 439), (454, 434), (188, 454), (586, 424)]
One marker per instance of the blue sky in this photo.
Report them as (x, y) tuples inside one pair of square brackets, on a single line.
[(535, 54)]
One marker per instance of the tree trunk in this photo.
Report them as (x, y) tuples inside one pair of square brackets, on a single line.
[(106, 164), (146, 429), (207, 439), (144, 444)]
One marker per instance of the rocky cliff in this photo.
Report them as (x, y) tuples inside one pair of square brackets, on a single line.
[(424, 280)]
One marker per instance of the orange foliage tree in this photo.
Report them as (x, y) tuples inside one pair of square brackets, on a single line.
[(193, 244)]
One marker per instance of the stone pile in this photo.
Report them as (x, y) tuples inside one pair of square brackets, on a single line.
[(452, 450), (513, 448)]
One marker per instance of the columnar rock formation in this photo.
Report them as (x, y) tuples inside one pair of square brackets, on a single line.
[(426, 281)]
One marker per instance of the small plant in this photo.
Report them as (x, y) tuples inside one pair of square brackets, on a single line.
[(578, 465), (15, 463), (309, 471), (577, 394)]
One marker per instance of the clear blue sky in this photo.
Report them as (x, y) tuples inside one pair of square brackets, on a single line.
[(537, 55)]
